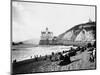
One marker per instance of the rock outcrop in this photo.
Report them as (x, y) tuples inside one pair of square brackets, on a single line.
[(80, 33)]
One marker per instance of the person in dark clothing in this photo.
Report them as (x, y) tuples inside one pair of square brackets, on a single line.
[(66, 60), (61, 57), (14, 61)]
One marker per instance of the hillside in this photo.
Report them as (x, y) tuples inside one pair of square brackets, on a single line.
[(31, 41), (80, 33)]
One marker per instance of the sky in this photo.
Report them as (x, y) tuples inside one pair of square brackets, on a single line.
[(29, 19)]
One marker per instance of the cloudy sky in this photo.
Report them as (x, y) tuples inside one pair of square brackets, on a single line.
[(29, 19)]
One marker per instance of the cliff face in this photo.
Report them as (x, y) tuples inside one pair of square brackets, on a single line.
[(80, 33)]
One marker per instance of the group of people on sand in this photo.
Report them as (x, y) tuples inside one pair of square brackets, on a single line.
[(91, 49), (92, 52), (64, 56)]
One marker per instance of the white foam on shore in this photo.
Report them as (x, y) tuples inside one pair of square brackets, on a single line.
[(26, 53)]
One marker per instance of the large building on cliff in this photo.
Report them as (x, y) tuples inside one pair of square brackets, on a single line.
[(47, 37)]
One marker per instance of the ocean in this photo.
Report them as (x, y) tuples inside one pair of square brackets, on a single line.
[(27, 53)]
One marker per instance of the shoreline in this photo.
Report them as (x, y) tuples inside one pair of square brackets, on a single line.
[(79, 62)]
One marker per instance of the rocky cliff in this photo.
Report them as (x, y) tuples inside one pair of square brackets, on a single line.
[(79, 33)]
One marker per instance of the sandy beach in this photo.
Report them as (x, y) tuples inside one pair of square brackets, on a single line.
[(78, 62)]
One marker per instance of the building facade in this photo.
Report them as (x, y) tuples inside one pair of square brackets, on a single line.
[(47, 37)]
